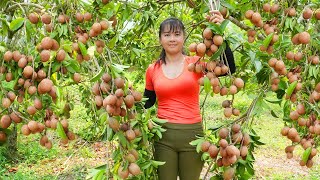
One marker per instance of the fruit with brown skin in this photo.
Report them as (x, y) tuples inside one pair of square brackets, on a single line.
[(130, 135), (87, 16), (6, 102), (248, 14), (62, 19), (123, 173), (274, 8), (217, 40), (43, 140), (79, 17), (201, 48), (45, 86), (48, 145), (129, 101), (304, 37), (33, 18), (15, 117), (205, 146), (46, 43), (61, 55), (5, 121), (16, 56), (113, 123), (8, 56), (207, 33), (3, 136), (134, 169), (307, 13), (45, 55), (104, 25), (96, 27), (71, 135), (76, 77), (46, 19)]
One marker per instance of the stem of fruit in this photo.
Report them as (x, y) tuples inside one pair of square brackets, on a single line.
[(202, 113), (205, 176), (193, 28), (49, 70)]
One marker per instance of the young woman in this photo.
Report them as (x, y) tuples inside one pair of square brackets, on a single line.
[(177, 91)]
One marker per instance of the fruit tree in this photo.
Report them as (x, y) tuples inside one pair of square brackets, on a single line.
[(96, 46)]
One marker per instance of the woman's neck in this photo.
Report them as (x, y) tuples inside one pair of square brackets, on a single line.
[(174, 58)]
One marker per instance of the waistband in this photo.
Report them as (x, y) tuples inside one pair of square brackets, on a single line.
[(182, 126)]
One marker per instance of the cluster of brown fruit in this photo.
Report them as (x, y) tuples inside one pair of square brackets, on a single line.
[(314, 59), (132, 156), (301, 38), (228, 153), (111, 95), (229, 110), (306, 142), (209, 46)]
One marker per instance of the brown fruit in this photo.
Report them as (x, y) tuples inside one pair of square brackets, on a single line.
[(294, 115), (87, 16), (213, 151), (223, 143), (61, 55), (137, 95), (246, 139), (201, 48), (226, 103), (76, 77), (16, 56), (71, 136), (266, 7), (15, 117), (249, 14), (33, 126), (134, 169), (290, 55), (6, 102), (49, 27), (243, 151), (217, 40), (274, 8), (8, 56), (256, 17), (317, 14), (251, 32), (43, 140), (193, 47), (307, 13), (300, 109), (25, 130), (3, 136), (9, 76), (113, 123), (205, 146), (64, 123), (295, 39), (214, 48), (105, 87), (33, 18), (46, 19), (22, 62), (79, 17), (82, 39), (233, 89), (292, 12), (223, 91), (207, 33), (5, 121), (304, 37), (229, 173), (119, 82), (284, 131), (238, 82), (129, 101), (11, 95), (62, 19), (31, 110), (97, 28), (272, 62), (119, 93), (48, 145), (45, 55), (45, 86), (46, 43), (223, 133), (235, 128), (104, 25), (130, 135), (123, 173)]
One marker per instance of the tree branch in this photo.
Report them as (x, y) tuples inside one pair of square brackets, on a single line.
[(170, 2), (22, 4), (243, 26)]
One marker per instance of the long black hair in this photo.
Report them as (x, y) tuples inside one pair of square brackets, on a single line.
[(174, 25)]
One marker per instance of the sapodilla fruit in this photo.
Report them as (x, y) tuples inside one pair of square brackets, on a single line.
[(45, 55), (97, 28), (25, 130), (33, 18), (5, 121), (3, 136), (15, 117), (205, 146), (45, 86), (61, 55), (217, 40), (113, 123), (76, 77), (129, 101), (46, 43), (134, 169), (201, 48), (8, 56), (46, 19), (79, 17), (62, 19), (119, 82), (307, 13), (207, 33), (87, 16), (304, 37), (104, 25), (123, 173)]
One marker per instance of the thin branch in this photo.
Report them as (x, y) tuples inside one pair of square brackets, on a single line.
[(166, 2), (22, 4), (243, 26)]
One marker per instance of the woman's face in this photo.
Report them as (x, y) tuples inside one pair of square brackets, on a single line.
[(172, 41)]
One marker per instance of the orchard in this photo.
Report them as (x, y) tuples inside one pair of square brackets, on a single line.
[(58, 55)]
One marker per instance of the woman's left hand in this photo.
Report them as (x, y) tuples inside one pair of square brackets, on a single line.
[(216, 17)]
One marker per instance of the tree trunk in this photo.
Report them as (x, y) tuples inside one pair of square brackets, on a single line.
[(12, 144)]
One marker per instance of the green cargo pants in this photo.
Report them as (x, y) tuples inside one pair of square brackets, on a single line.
[(181, 158)]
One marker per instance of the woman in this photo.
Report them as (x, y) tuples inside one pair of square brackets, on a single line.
[(177, 91)]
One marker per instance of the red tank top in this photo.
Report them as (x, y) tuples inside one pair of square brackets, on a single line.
[(178, 98)]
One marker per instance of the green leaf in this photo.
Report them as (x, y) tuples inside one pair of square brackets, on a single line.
[(214, 27), (83, 48), (9, 86), (207, 85), (97, 76), (306, 154), (267, 40), (60, 131), (157, 163), (224, 25), (291, 87), (16, 24), (274, 114), (159, 121), (196, 142), (219, 52)]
